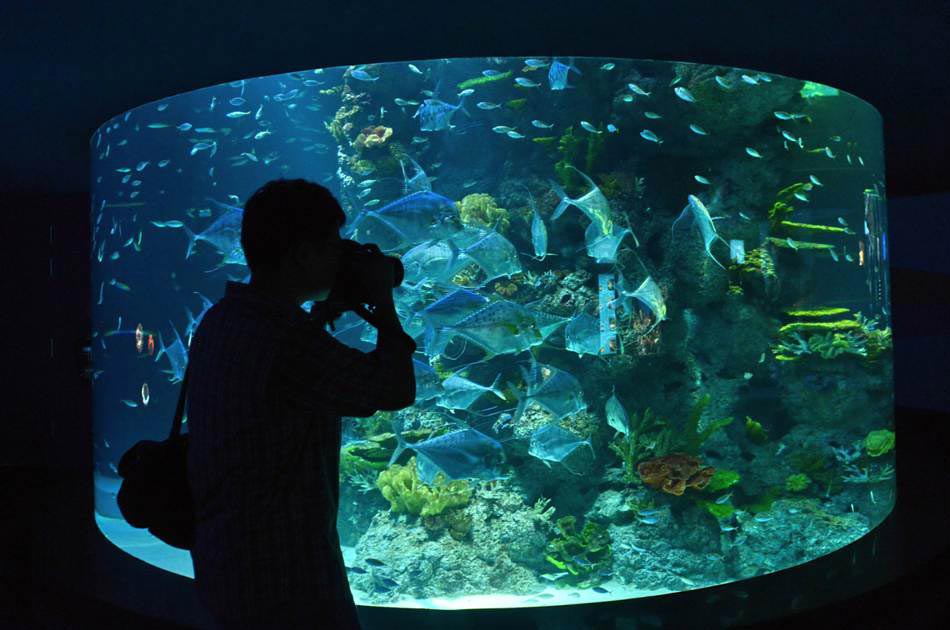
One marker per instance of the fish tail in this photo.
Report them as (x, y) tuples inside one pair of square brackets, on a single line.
[(672, 227), (565, 201), (401, 443), (494, 387), (192, 239), (522, 403), (461, 105), (161, 347)]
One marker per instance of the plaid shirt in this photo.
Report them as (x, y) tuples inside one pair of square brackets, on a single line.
[(267, 388)]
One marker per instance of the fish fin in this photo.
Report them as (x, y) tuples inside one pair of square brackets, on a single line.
[(682, 214), (401, 443)]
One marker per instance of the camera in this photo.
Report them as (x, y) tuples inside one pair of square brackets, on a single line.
[(358, 262)]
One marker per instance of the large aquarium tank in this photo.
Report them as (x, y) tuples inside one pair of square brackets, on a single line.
[(650, 300)]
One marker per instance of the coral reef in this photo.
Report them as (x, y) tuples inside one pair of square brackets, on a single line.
[(675, 472), (797, 482)]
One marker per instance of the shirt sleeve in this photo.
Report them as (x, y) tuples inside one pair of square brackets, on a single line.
[(318, 372)]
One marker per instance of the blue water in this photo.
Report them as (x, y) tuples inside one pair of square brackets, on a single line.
[(650, 299)]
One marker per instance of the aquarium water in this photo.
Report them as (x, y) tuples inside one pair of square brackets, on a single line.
[(650, 300)]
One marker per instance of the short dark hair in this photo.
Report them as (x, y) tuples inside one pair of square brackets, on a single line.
[(283, 213)]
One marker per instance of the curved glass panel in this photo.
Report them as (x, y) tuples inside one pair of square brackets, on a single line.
[(650, 299)]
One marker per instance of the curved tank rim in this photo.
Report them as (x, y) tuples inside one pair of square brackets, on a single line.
[(112, 118)]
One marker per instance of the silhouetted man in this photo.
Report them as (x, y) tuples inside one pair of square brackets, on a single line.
[(268, 387)]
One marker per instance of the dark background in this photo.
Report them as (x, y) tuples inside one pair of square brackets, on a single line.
[(69, 66)]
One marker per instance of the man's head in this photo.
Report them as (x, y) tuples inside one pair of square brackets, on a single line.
[(290, 235)]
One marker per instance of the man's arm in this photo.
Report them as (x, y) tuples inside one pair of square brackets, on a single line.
[(319, 372)]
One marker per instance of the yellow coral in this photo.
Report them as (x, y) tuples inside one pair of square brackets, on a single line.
[(481, 209), (405, 492), (506, 289), (372, 137)]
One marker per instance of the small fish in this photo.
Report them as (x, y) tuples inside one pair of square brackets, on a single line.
[(648, 520), (582, 561), (371, 203), (356, 570), (237, 114), (413, 68), (849, 257), (749, 80), (502, 129), (815, 180), (608, 66), (727, 528), (652, 115), (466, 92), (600, 589), (612, 128), (789, 136), (848, 157), (366, 183), (553, 577), (829, 153), (762, 358), (841, 221), (419, 140), (373, 562), (130, 403), (701, 179), (627, 98), (791, 243), (589, 127), (800, 196), (469, 183), (636, 89), (762, 519), (185, 126), (860, 160), (646, 134), (237, 101), (157, 125), (535, 63), (363, 75), (491, 73), (162, 107), (723, 83), (403, 102), (747, 375), (528, 83), (753, 152), (364, 194), (174, 223), (724, 498), (834, 255), (145, 394), (684, 94), (698, 129), (514, 134), (540, 124), (487, 105), (262, 134)]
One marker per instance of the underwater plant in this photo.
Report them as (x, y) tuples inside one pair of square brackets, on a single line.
[(858, 336), (629, 448), (583, 555), (687, 437), (755, 432), (406, 493)]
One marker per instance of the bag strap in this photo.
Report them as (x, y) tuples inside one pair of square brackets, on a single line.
[(180, 409)]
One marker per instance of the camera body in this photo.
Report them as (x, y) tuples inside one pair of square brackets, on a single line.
[(358, 263)]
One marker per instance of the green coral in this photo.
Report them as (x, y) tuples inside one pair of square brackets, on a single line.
[(722, 479), (818, 312), (755, 432), (464, 85), (757, 261), (797, 482), (842, 324), (859, 336), (481, 209), (570, 148), (789, 243), (584, 555), (718, 510), (815, 227), (401, 486), (879, 442), (817, 90)]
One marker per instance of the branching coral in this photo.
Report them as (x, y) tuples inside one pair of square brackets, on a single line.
[(858, 336), (675, 472), (629, 447), (585, 555)]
